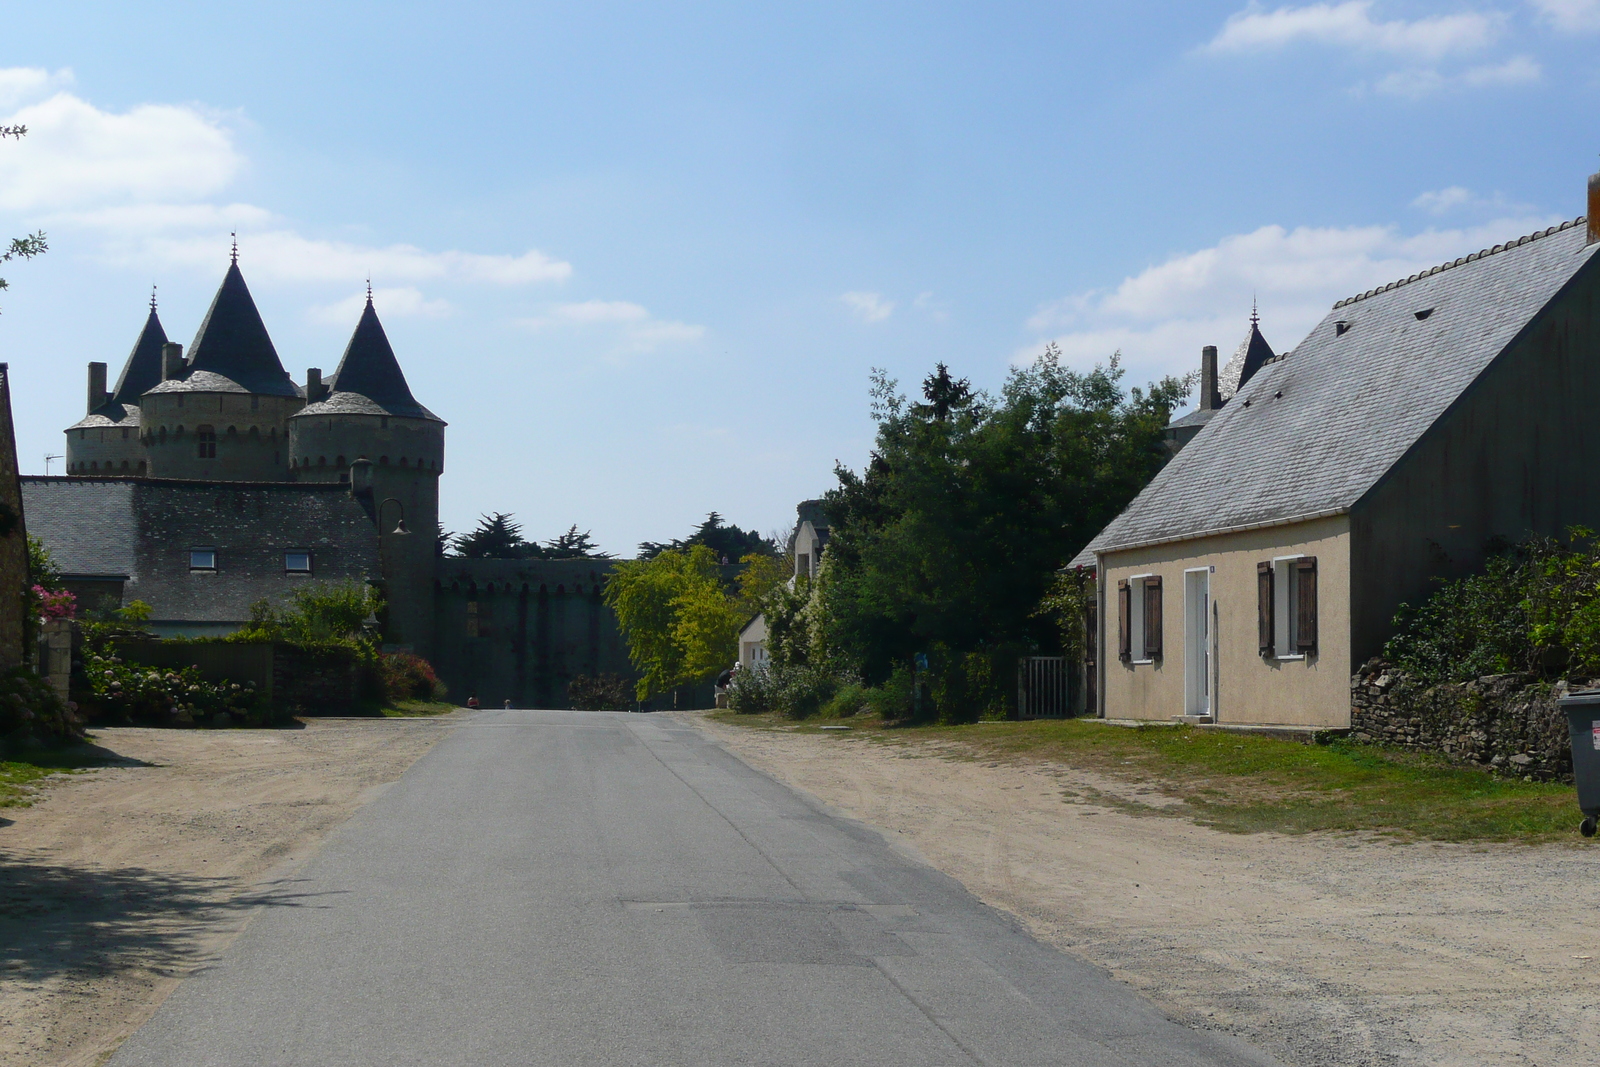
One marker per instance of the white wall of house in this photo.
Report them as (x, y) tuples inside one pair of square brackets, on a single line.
[(1210, 659), (753, 643)]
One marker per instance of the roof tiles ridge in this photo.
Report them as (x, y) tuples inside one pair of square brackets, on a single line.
[(1474, 257)]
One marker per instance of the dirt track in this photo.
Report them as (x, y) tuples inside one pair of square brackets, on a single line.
[(1324, 949), (120, 881)]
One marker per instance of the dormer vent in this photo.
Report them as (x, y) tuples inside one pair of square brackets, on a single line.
[(1424, 313), (1340, 328)]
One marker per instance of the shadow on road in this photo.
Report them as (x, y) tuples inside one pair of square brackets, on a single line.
[(56, 920)]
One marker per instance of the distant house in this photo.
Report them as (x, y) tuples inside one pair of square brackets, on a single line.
[(1415, 423), (810, 540)]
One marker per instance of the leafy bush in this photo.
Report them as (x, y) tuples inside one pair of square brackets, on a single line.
[(601, 692), (154, 696), (1534, 609), (322, 614), (751, 691), (405, 676), (30, 709)]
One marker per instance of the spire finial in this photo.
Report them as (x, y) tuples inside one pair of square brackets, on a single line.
[(152, 298), (1255, 317), (369, 290), (235, 253)]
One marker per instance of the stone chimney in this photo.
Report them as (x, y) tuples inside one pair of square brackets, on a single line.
[(171, 361), (97, 387), (1210, 397), (1594, 207), (315, 390)]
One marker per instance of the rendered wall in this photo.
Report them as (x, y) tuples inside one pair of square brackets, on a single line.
[(1519, 452), (109, 449), (252, 441), (1314, 691)]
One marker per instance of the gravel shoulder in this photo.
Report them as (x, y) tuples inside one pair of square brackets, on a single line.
[(1324, 949), (117, 883)]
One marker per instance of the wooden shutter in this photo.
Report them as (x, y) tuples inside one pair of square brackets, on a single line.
[(1124, 621), (1152, 618), (1264, 627), (1305, 577)]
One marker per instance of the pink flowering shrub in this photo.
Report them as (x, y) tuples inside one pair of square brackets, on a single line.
[(55, 603)]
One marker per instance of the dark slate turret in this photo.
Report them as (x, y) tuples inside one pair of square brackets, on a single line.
[(1252, 354), (142, 372), (369, 380), (232, 353)]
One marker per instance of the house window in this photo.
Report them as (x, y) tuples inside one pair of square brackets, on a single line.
[(1286, 607), (297, 562), (205, 442), (1139, 618), (202, 559)]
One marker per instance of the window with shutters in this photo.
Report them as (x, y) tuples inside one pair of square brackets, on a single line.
[(1139, 618), (1287, 606)]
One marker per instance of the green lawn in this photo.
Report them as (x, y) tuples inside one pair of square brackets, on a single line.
[(1245, 783), (20, 772)]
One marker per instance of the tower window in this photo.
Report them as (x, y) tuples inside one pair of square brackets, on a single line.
[(205, 441), (255, 403), (202, 559)]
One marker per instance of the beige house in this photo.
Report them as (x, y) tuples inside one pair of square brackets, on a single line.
[(1416, 424)]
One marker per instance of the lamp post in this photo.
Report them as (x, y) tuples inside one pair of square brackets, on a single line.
[(400, 527)]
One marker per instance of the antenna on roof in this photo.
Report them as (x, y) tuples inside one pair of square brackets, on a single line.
[(235, 252)]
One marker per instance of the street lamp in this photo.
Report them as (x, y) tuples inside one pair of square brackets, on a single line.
[(400, 527)]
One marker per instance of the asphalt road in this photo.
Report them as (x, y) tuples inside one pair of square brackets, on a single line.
[(593, 888)]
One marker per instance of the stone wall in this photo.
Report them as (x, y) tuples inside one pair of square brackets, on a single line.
[(1506, 722)]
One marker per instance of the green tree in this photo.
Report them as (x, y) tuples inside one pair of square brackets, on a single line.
[(970, 504), (572, 545), (725, 542), (496, 537), (680, 622)]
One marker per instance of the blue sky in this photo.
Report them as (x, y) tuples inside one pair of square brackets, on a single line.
[(642, 258)]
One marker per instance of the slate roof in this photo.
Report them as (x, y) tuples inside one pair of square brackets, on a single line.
[(139, 374), (1312, 432), (232, 353), (369, 380), (1252, 354), (86, 523), (142, 372)]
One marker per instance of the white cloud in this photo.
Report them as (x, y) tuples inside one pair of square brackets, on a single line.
[(1160, 317), (634, 330), (868, 307), (77, 156), (1350, 24), (404, 302), (1518, 70), (1572, 16), (18, 84), (1440, 201)]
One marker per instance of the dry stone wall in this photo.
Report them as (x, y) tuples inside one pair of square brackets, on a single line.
[(1507, 722)]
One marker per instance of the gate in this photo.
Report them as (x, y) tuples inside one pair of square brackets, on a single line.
[(1044, 687)]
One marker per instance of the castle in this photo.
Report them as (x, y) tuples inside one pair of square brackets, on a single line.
[(208, 481)]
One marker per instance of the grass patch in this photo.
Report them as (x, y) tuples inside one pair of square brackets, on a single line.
[(21, 772), (1247, 784), (413, 709)]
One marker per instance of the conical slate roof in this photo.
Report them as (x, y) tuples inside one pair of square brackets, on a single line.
[(369, 380), (232, 352), (1251, 355), (142, 372)]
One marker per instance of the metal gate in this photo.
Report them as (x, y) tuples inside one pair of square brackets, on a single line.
[(1044, 687)]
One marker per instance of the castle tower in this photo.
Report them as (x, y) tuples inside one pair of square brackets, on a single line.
[(107, 440), (364, 426), (224, 413)]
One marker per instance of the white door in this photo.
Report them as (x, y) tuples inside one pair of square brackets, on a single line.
[(1197, 642)]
